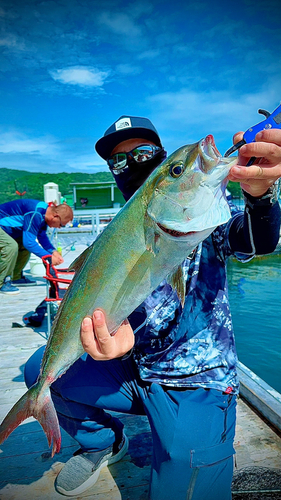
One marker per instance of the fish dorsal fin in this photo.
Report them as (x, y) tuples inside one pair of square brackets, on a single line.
[(177, 282), (79, 261)]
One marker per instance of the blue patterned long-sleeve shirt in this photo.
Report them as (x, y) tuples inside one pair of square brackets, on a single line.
[(193, 346)]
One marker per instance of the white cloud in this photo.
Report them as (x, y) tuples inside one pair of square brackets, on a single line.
[(87, 163), (80, 75), (12, 42), (47, 154), (217, 110), (128, 69), (120, 24), (17, 142), (186, 116), (149, 54)]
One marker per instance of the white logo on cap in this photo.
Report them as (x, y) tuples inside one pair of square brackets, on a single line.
[(123, 123)]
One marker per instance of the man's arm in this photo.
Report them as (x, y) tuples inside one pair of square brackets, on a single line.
[(49, 248), (31, 231), (31, 228), (45, 242), (258, 231)]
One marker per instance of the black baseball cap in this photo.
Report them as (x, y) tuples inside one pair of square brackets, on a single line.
[(126, 127)]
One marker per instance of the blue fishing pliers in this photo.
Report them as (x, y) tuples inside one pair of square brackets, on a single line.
[(272, 120)]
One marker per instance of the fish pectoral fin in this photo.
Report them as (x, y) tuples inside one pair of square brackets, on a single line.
[(177, 282), (151, 237), (78, 263)]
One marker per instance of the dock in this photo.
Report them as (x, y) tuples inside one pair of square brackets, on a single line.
[(27, 471)]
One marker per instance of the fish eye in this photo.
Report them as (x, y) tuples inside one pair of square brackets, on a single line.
[(176, 170)]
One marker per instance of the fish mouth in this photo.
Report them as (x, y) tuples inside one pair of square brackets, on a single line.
[(209, 144), (209, 154), (173, 232)]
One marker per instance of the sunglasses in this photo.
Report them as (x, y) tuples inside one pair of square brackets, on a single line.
[(118, 162), (61, 225)]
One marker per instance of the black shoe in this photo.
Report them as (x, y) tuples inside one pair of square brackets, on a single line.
[(24, 281)]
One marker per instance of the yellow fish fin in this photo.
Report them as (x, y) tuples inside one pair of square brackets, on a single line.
[(177, 282), (151, 236)]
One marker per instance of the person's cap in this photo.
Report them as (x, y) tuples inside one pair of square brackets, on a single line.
[(126, 127)]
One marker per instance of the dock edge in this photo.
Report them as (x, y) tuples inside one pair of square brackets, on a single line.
[(260, 395)]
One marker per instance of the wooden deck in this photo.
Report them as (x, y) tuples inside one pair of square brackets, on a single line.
[(28, 472)]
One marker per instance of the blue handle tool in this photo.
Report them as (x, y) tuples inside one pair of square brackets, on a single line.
[(272, 120)]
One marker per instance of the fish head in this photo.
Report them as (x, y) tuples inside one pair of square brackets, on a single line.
[(187, 191)]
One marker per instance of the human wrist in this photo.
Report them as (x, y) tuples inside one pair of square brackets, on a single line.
[(267, 199), (127, 355)]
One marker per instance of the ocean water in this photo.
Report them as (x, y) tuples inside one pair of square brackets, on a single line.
[(255, 300)]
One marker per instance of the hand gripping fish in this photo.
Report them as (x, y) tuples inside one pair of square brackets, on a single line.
[(177, 207)]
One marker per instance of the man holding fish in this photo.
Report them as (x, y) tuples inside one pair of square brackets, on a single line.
[(174, 358)]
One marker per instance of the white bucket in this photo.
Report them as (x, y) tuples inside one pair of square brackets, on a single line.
[(37, 267)]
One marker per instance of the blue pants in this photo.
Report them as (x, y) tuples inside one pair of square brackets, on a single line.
[(192, 430)]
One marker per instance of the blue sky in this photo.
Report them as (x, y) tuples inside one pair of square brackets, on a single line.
[(70, 68)]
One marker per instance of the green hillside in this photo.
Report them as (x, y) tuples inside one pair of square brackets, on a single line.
[(20, 180), (235, 189)]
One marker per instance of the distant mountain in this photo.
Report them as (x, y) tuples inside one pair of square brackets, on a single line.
[(20, 180), (33, 183)]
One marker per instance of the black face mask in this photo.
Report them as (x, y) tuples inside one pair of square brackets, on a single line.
[(133, 177)]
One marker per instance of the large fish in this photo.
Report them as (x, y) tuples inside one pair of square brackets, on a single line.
[(177, 207)]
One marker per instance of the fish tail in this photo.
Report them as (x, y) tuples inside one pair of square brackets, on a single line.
[(37, 404)]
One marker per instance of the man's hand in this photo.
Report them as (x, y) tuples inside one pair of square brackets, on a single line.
[(257, 178), (56, 258), (98, 342)]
